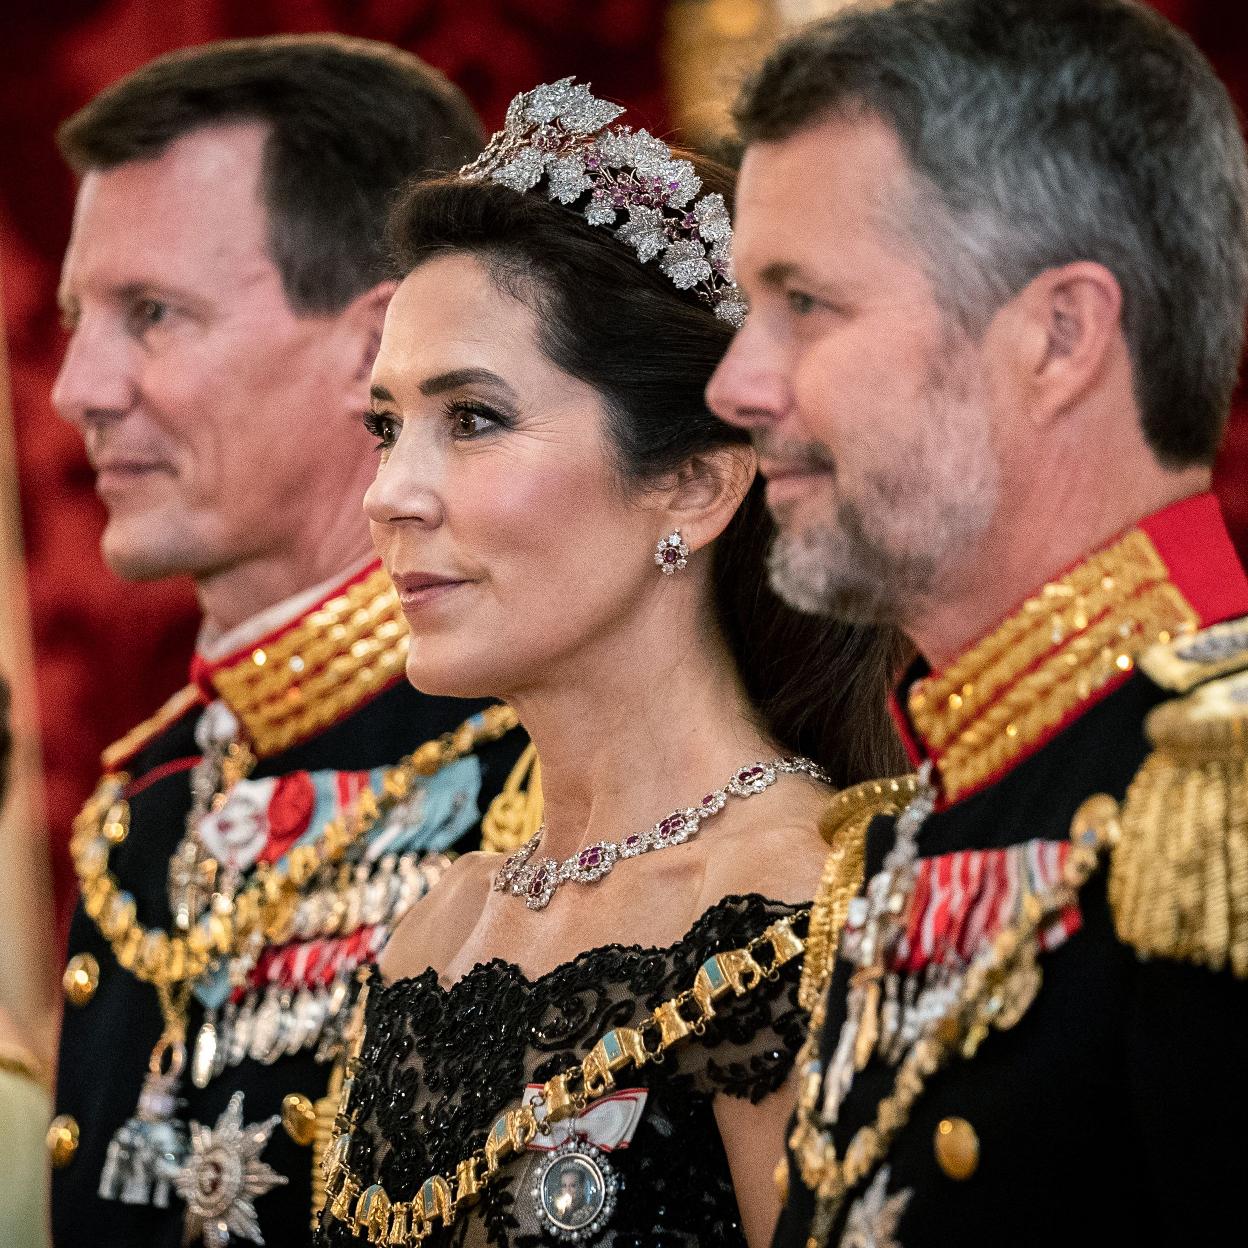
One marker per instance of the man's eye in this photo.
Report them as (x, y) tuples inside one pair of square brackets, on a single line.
[(148, 313), (800, 303)]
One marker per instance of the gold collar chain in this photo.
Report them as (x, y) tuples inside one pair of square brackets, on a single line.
[(369, 1210), (985, 1002), (266, 903)]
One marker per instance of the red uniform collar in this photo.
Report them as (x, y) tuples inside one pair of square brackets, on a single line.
[(1069, 645)]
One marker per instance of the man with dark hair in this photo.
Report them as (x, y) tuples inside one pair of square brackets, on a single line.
[(253, 842), (996, 253)]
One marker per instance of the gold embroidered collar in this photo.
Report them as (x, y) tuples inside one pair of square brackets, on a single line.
[(341, 650), (1065, 647), (299, 679)]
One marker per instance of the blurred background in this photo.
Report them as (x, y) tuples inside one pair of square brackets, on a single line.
[(88, 656)]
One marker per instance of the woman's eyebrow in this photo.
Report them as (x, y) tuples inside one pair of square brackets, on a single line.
[(460, 377)]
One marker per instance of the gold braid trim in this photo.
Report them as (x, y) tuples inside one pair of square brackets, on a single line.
[(1059, 649), (843, 826), (515, 815), (1178, 883), (321, 669), (371, 1211)]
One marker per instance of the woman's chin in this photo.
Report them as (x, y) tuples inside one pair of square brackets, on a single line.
[(448, 680)]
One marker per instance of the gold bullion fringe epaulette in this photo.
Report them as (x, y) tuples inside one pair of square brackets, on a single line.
[(1060, 648), (266, 905), (120, 752), (371, 1211), (514, 816), (319, 670), (843, 825), (1178, 883)]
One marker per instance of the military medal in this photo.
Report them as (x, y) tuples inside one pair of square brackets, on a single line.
[(147, 1150), (575, 1191), (222, 1176)]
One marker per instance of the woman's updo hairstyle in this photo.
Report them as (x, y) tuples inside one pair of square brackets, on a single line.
[(649, 350)]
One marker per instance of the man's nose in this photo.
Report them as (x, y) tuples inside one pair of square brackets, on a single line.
[(749, 388), (96, 381)]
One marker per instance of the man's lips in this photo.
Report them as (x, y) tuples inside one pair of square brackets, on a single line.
[(418, 589), (789, 482), (117, 473)]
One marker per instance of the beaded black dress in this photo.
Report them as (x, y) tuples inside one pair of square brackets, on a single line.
[(438, 1065)]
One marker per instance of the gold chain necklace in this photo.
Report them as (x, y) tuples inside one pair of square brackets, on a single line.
[(371, 1211), (155, 956)]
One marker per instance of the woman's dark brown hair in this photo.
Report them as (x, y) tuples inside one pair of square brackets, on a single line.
[(649, 350)]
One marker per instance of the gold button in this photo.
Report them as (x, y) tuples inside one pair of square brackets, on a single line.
[(62, 1140), (299, 1118), (957, 1148), (81, 979)]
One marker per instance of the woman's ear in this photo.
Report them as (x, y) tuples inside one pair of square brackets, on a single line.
[(703, 495)]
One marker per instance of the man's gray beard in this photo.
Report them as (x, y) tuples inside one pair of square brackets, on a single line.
[(840, 572)]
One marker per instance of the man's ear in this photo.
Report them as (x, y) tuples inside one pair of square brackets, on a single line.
[(361, 322), (704, 493), (1070, 320)]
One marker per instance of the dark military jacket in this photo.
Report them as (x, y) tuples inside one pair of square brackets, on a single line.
[(108, 1038), (1111, 1111)]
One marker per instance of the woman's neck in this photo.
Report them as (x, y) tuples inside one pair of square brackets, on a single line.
[(624, 741)]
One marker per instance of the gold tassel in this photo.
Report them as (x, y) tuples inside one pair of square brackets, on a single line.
[(1178, 882), (515, 814)]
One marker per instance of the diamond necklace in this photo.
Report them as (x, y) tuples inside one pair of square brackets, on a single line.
[(536, 882)]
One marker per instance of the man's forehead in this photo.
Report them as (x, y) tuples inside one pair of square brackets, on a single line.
[(196, 207), (842, 172)]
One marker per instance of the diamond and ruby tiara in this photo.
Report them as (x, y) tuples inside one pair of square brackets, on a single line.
[(550, 132)]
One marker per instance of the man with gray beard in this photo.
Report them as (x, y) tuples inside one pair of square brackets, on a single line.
[(996, 253)]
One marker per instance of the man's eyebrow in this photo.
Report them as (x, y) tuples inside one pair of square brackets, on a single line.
[(777, 273)]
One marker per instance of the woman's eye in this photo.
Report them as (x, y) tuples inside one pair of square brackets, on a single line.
[(384, 428), (470, 420)]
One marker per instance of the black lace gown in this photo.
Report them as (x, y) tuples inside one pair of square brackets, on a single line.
[(438, 1066)]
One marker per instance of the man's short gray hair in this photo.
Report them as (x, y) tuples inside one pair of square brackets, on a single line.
[(1043, 132)]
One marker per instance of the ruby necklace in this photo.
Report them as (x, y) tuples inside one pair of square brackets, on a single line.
[(537, 882)]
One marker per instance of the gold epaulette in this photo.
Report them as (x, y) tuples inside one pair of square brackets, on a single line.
[(1186, 662), (120, 752), (843, 826), (1178, 882), (515, 815)]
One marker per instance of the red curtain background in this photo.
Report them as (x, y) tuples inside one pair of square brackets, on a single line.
[(108, 653)]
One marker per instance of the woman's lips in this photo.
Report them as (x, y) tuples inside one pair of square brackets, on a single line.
[(421, 589)]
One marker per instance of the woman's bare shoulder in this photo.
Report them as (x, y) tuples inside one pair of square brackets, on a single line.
[(779, 855), (436, 926)]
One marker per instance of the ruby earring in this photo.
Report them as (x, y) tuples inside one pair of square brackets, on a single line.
[(671, 554)]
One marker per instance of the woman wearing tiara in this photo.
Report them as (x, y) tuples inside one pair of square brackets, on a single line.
[(552, 1051)]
